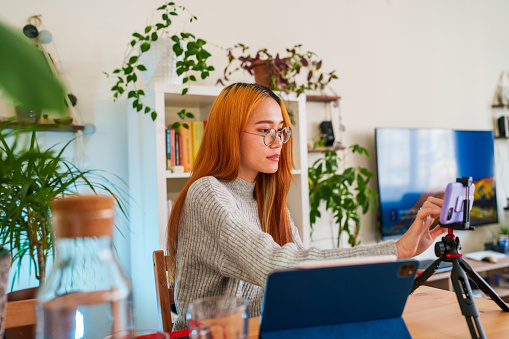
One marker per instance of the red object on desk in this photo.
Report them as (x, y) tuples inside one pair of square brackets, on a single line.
[(179, 334)]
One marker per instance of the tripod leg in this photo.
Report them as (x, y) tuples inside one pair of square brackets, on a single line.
[(483, 285), (426, 274), (466, 300)]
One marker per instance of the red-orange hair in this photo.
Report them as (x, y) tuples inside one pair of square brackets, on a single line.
[(219, 156)]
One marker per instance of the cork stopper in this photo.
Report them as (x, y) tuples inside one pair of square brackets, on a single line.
[(81, 216)]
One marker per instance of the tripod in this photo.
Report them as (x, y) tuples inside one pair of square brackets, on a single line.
[(448, 250)]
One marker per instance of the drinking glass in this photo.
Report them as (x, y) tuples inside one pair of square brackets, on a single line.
[(218, 317)]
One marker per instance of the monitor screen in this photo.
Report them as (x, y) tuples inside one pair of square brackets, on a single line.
[(413, 164)]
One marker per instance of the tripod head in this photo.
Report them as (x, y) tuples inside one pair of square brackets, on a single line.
[(458, 201)]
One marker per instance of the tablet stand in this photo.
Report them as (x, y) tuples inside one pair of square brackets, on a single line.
[(448, 250)]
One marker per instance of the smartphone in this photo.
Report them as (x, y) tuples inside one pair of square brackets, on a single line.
[(452, 209)]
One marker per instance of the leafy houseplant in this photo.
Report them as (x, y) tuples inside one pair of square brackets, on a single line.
[(344, 190), (293, 72), (185, 44), (30, 178)]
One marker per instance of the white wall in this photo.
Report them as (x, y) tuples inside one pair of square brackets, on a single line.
[(414, 63)]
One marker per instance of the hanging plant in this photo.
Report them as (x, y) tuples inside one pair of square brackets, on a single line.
[(191, 49)]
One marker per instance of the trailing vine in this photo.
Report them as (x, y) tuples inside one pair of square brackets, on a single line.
[(193, 63)]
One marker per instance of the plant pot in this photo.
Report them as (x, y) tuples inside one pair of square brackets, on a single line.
[(161, 63), (27, 114), (503, 240), (27, 295), (5, 265), (261, 72)]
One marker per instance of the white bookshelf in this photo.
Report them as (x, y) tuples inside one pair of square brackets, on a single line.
[(151, 185)]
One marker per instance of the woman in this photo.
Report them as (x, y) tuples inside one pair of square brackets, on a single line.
[(230, 226)]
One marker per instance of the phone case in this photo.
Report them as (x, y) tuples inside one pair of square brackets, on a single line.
[(452, 208)]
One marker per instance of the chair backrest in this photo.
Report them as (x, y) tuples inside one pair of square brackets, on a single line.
[(165, 298)]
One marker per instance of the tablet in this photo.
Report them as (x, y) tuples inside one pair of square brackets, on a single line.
[(362, 301)]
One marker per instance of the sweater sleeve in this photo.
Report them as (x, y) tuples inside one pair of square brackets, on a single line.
[(249, 254)]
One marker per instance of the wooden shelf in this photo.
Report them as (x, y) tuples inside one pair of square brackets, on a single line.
[(499, 106), (322, 98), (329, 148), (50, 127)]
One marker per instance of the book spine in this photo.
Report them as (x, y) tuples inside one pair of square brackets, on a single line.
[(181, 161), (197, 131), (177, 149), (187, 146), (168, 148), (172, 140)]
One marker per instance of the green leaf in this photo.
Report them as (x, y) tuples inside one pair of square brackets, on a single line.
[(175, 125), (148, 29), (154, 36), (185, 90), (153, 116), (26, 77), (133, 59), (145, 47), (141, 67), (189, 115)]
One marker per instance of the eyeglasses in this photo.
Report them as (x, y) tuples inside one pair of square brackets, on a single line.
[(269, 135)]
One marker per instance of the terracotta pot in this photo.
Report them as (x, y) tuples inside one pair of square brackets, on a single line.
[(261, 72)]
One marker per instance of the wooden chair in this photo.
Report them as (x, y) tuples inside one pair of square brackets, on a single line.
[(165, 297)]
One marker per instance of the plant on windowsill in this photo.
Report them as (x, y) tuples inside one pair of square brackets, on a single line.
[(184, 44), (344, 190), (295, 71)]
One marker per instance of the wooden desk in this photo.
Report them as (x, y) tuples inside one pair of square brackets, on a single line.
[(435, 313)]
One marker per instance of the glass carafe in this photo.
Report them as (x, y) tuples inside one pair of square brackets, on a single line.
[(86, 294)]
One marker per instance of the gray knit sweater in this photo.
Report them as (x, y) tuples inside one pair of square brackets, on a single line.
[(223, 251)]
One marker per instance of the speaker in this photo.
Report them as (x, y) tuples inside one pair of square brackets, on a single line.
[(328, 132), (502, 127)]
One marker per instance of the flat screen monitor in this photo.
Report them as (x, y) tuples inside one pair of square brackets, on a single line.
[(413, 164)]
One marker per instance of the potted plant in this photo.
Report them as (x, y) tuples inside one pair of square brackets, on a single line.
[(26, 79), (31, 178), (503, 237), (344, 190), (295, 71), (188, 46)]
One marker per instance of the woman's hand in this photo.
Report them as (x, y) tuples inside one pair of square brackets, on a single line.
[(419, 237)]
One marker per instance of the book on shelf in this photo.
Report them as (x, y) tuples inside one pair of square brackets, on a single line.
[(178, 148), (197, 132), (168, 148), (172, 141), (186, 146)]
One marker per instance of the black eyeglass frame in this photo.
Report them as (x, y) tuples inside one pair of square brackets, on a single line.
[(277, 132)]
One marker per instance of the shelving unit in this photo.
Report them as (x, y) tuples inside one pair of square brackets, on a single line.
[(151, 184)]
